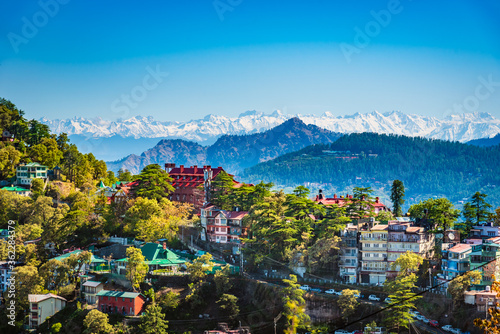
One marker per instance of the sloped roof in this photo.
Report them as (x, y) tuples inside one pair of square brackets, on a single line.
[(460, 248), (16, 189), (39, 298), (120, 294), (413, 229), (155, 254), (92, 284), (379, 227)]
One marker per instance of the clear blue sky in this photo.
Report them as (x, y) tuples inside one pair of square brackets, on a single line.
[(84, 56)]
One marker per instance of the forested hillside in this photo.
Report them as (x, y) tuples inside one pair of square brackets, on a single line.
[(427, 167)]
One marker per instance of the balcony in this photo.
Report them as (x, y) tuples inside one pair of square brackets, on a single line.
[(34, 307), (373, 239), (374, 269), (417, 240), (371, 248)]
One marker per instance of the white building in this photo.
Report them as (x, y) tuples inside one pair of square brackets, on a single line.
[(26, 173), (43, 307)]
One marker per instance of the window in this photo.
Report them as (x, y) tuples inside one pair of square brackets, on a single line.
[(131, 300), (491, 233)]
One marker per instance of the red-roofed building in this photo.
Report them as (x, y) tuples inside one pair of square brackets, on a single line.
[(222, 226), (343, 201), (192, 183)]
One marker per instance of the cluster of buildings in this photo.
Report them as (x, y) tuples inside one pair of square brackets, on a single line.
[(369, 248)]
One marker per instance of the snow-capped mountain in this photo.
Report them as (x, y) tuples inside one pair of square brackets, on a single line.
[(463, 128)]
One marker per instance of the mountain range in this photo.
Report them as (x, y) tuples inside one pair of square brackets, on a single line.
[(234, 152), (103, 136)]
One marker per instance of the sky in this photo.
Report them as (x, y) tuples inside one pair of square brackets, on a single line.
[(182, 60)]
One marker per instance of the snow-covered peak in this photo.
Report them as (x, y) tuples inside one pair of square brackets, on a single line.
[(463, 127)]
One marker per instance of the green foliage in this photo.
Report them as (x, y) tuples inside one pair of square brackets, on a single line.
[(348, 303), (153, 321), (136, 267), (167, 299), (427, 167), (96, 322), (361, 205), (407, 263), (199, 267), (228, 305), (125, 175), (9, 158), (460, 284), (476, 211), (222, 281), (402, 299), (153, 183), (397, 197), (294, 305), (441, 211), (56, 328)]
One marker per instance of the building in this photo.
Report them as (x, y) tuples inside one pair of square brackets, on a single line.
[(222, 226), (4, 275), (126, 303), (373, 248), (90, 289), (484, 231), (404, 237), (348, 264), (43, 307), (26, 173), (157, 257), (455, 261), (483, 299), (485, 257), (18, 190), (348, 199), (192, 183)]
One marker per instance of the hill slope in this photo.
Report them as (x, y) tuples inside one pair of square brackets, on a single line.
[(427, 167), (485, 142)]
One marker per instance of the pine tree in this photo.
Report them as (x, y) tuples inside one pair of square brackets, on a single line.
[(397, 197), (153, 183)]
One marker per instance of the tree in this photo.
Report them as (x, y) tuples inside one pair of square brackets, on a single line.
[(55, 274), (37, 186), (96, 322), (222, 281), (348, 303), (476, 211), (407, 263), (384, 216), (460, 284), (124, 175), (136, 267), (47, 153), (28, 281), (397, 197), (361, 204), (441, 211), (228, 305), (496, 217), (56, 328), (294, 305), (402, 299), (167, 299), (153, 320), (199, 267), (9, 158), (153, 183), (221, 192)]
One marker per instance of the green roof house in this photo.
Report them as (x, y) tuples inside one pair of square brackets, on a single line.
[(28, 172), (157, 257), (18, 190)]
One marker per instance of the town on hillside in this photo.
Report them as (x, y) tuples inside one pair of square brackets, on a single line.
[(192, 249)]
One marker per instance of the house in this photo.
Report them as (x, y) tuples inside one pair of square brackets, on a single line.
[(95, 262), (43, 307), (484, 231), (5, 272), (348, 199), (221, 226), (373, 241), (484, 298), (18, 190), (348, 264), (404, 236), (156, 257), (126, 303), (192, 183), (26, 173), (481, 258), (455, 261), (90, 289)]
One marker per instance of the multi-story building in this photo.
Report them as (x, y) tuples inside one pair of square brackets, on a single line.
[(4, 275), (90, 289), (348, 264), (192, 183), (344, 201), (26, 173), (373, 242), (404, 237), (43, 307), (455, 261), (484, 231), (222, 226), (486, 258)]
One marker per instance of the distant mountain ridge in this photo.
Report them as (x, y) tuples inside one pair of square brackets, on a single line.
[(234, 152), (462, 128)]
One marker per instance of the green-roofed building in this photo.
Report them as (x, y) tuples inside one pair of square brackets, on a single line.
[(156, 256), (18, 190), (122, 302), (27, 172), (96, 263)]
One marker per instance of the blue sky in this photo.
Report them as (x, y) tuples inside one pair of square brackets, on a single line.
[(96, 58)]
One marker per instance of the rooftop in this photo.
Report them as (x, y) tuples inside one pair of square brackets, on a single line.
[(92, 284), (460, 248), (39, 298), (120, 294)]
